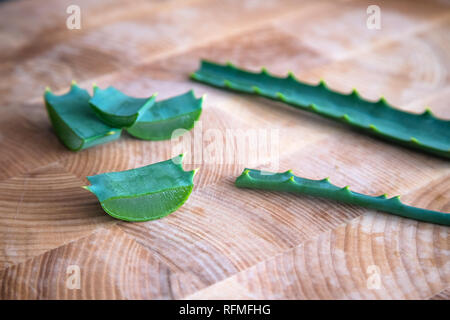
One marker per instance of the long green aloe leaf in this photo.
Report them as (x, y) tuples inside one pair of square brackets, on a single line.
[(74, 121), (288, 182), (161, 120), (117, 109), (145, 193), (420, 131)]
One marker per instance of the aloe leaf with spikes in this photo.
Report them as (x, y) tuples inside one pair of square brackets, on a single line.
[(74, 121), (288, 182), (145, 193), (420, 131)]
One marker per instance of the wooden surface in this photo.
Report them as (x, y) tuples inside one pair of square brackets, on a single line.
[(223, 243)]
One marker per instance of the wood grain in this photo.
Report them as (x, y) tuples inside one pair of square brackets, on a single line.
[(104, 257), (404, 71), (336, 265), (26, 140), (41, 210), (225, 242), (128, 37), (443, 295)]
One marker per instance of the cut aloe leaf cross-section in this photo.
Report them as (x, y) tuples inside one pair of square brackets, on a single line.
[(145, 193), (288, 182), (160, 121), (419, 131), (74, 121), (116, 108)]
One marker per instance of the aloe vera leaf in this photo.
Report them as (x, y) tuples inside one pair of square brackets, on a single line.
[(116, 108), (145, 193), (162, 118), (74, 121), (288, 182), (420, 131)]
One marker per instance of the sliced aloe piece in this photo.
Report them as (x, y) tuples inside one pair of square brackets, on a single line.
[(145, 193), (117, 109), (287, 182), (74, 121), (164, 117), (419, 131)]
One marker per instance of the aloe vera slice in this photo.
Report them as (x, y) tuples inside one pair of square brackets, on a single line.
[(288, 182), (74, 121), (145, 193), (116, 108), (161, 119), (419, 131)]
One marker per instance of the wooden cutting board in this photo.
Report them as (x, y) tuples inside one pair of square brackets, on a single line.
[(224, 242)]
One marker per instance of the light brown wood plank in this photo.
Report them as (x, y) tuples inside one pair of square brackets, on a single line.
[(44, 209), (111, 264), (26, 140), (224, 242), (402, 71), (339, 264), (435, 195), (119, 39), (443, 295), (340, 31), (367, 165)]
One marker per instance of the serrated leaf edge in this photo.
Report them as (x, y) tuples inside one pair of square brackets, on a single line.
[(292, 183), (412, 141)]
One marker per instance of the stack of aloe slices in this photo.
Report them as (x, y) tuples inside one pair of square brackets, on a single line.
[(151, 192), (81, 121)]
